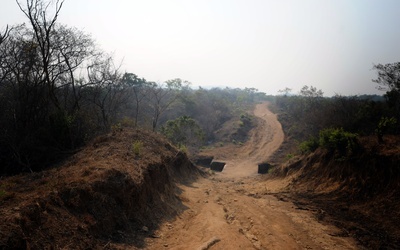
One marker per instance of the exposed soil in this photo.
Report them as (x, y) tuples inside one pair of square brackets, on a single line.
[(110, 192), (109, 196), (238, 209)]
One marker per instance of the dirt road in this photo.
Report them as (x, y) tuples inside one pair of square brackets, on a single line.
[(235, 209)]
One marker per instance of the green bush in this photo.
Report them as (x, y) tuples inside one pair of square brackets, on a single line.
[(183, 130), (183, 148), (309, 146), (137, 148), (338, 140), (385, 124), (127, 122)]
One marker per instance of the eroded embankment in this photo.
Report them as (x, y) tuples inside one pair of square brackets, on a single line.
[(359, 193), (107, 193)]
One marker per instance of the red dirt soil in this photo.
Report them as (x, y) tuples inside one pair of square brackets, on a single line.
[(106, 197), (104, 194), (238, 209)]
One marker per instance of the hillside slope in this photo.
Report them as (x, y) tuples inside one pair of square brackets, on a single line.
[(359, 194), (108, 192)]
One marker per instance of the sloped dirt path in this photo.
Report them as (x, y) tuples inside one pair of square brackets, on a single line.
[(236, 209)]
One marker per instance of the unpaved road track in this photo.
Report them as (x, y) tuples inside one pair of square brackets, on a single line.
[(235, 209)]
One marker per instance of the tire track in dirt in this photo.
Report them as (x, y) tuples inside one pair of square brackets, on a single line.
[(235, 209), (264, 140)]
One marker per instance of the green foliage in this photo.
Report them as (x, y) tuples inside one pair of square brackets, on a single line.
[(137, 148), (183, 130), (289, 156), (3, 193), (127, 122), (384, 125), (245, 119), (183, 148), (309, 146), (116, 128), (338, 140)]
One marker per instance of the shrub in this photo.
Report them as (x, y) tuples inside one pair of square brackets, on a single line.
[(384, 125), (128, 122), (116, 128), (137, 148), (289, 156), (183, 148), (183, 130), (338, 140), (309, 146)]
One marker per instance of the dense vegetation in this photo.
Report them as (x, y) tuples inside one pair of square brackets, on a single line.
[(335, 122), (58, 90)]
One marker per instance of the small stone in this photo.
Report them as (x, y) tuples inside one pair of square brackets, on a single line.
[(165, 245), (145, 229)]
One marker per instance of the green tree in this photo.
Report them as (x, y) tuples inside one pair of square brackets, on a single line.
[(389, 80), (182, 131), (384, 125)]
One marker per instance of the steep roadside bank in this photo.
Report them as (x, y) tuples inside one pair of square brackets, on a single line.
[(359, 194), (238, 209), (118, 189)]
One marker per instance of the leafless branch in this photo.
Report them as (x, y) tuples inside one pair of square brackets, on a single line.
[(4, 35)]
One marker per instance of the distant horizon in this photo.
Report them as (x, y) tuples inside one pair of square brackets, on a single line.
[(332, 45), (293, 93)]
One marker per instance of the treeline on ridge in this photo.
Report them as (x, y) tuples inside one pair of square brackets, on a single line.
[(58, 90), (335, 123)]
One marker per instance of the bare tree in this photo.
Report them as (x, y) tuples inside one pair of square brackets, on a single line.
[(72, 50), (139, 87), (163, 97), (4, 35), (37, 12), (107, 91)]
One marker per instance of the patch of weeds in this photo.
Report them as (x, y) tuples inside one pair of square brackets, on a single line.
[(137, 148), (116, 128), (4, 194), (289, 156), (271, 170), (183, 148), (128, 122)]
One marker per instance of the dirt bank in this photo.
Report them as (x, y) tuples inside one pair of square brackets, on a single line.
[(118, 189), (238, 209)]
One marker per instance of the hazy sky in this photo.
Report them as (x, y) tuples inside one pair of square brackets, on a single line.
[(269, 45)]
